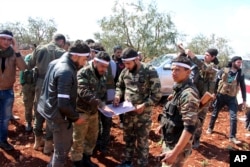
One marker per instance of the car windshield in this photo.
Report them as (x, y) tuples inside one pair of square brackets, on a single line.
[(166, 59), (246, 68)]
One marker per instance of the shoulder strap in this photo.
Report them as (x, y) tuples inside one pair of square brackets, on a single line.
[(189, 85)]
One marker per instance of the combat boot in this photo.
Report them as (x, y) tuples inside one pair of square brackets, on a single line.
[(48, 147), (28, 127), (86, 161), (39, 142)]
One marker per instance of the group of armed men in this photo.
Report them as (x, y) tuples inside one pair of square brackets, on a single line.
[(69, 84)]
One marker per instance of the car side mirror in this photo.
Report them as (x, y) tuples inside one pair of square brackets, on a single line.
[(167, 67)]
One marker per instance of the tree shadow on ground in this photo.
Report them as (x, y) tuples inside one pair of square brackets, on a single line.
[(211, 151), (220, 133), (19, 134), (15, 158), (115, 155), (154, 137)]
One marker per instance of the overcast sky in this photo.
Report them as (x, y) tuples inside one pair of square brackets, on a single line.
[(78, 18)]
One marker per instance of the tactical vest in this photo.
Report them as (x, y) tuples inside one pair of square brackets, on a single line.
[(228, 88), (171, 118)]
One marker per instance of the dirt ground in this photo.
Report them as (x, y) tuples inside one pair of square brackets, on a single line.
[(213, 151)]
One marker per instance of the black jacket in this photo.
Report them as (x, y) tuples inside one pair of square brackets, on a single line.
[(59, 92)]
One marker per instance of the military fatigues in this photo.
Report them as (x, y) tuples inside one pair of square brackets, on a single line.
[(28, 80), (205, 83), (41, 58), (105, 122), (179, 114), (140, 87), (91, 95)]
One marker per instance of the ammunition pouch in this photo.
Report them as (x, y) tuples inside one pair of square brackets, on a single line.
[(30, 76), (229, 89)]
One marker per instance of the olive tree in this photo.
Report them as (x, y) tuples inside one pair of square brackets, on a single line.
[(200, 43), (139, 26), (35, 31)]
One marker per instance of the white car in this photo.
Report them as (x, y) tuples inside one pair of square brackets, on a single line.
[(162, 64)]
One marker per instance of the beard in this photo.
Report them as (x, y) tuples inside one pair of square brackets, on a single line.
[(235, 66), (133, 70), (98, 75), (78, 66)]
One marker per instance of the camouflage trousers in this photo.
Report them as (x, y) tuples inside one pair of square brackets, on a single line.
[(39, 120), (84, 136), (201, 118), (181, 158), (28, 100), (136, 129)]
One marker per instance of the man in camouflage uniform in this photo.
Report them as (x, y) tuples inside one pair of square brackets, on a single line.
[(138, 83), (179, 116), (91, 96), (205, 83), (28, 81), (41, 57), (228, 81), (105, 122)]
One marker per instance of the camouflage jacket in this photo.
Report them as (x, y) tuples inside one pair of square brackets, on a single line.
[(181, 112), (207, 76), (207, 71), (91, 90), (140, 87), (187, 103), (43, 55)]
